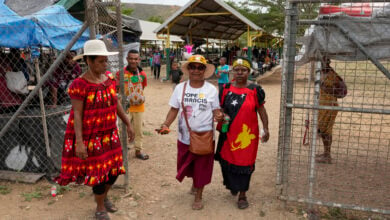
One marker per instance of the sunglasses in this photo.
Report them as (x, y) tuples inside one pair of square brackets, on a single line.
[(198, 67)]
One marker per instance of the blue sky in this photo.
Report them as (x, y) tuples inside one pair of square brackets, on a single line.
[(162, 2)]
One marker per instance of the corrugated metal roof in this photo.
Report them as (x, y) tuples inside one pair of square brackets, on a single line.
[(229, 27), (147, 28)]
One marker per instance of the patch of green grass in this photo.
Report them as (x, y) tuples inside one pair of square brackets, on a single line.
[(262, 213), (62, 189), (335, 213), (33, 195), (115, 198), (81, 194), (147, 133), (4, 190)]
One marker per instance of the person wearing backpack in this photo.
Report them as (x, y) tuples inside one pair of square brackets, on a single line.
[(176, 74), (135, 83)]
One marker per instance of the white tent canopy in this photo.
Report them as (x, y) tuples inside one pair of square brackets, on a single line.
[(148, 27)]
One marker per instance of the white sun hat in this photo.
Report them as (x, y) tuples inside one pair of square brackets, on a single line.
[(96, 48)]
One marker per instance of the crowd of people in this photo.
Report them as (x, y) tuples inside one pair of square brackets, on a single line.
[(92, 151), (17, 63)]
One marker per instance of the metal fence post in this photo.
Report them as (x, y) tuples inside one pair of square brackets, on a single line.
[(287, 93), (122, 90)]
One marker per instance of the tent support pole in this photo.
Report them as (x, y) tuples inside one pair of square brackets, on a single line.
[(90, 18), (48, 74), (168, 52), (42, 106)]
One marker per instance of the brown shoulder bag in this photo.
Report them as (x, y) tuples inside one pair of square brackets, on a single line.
[(201, 143)]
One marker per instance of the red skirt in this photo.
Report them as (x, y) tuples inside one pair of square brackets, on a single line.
[(199, 168)]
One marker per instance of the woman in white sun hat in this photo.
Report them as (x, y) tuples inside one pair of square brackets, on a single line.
[(195, 101), (92, 152)]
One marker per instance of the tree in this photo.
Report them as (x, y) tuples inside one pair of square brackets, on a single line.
[(270, 14), (125, 10), (157, 19)]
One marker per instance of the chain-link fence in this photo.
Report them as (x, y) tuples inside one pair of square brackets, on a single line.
[(334, 140), (35, 75)]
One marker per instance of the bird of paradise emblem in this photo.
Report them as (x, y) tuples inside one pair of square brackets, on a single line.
[(243, 139)]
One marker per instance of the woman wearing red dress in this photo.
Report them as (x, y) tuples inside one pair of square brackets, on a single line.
[(237, 148), (92, 152)]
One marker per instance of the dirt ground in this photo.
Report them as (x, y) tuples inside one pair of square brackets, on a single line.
[(154, 191)]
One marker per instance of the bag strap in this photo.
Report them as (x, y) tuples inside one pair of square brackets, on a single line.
[(184, 109)]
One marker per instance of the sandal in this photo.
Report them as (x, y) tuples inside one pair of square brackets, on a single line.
[(142, 156), (242, 203), (102, 215), (323, 159), (110, 207), (197, 205)]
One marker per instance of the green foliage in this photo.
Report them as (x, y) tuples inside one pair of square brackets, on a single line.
[(4, 190), (147, 133), (33, 195), (62, 189), (125, 10), (81, 194), (335, 213), (270, 14), (157, 19)]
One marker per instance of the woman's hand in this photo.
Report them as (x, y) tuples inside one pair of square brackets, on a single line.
[(218, 115), (81, 150), (265, 136), (130, 133)]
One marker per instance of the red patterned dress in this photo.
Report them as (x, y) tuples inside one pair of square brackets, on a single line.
[(100, 135)]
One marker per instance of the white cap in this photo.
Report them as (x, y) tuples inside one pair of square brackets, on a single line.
[(96, 48)]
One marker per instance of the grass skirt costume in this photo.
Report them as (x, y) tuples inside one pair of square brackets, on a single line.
[(237, 149), (100, 135)]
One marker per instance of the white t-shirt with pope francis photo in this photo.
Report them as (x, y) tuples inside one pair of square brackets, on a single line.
[(199, 104)]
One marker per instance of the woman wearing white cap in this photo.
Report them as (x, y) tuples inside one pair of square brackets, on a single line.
[(92, 152)]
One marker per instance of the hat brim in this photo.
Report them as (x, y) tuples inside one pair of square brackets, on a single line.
[(210, 69), (78, 57), (101, 54)]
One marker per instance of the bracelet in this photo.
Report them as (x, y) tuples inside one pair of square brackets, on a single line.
[(163, 124)]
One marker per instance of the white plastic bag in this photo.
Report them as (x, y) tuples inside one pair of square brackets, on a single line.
[(16, 82)]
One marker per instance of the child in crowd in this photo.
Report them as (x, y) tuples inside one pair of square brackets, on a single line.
[(176, 74), (222, 73)]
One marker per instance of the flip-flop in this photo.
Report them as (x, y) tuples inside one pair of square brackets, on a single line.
[(242, 203), (197, 205), (102, 215), (110, 207), (142, 156)]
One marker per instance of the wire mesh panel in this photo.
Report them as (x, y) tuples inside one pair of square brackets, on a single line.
[(36, 68), (335, 137)]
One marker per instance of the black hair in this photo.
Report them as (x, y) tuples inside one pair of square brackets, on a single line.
[(133, 51), (91, 57)]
